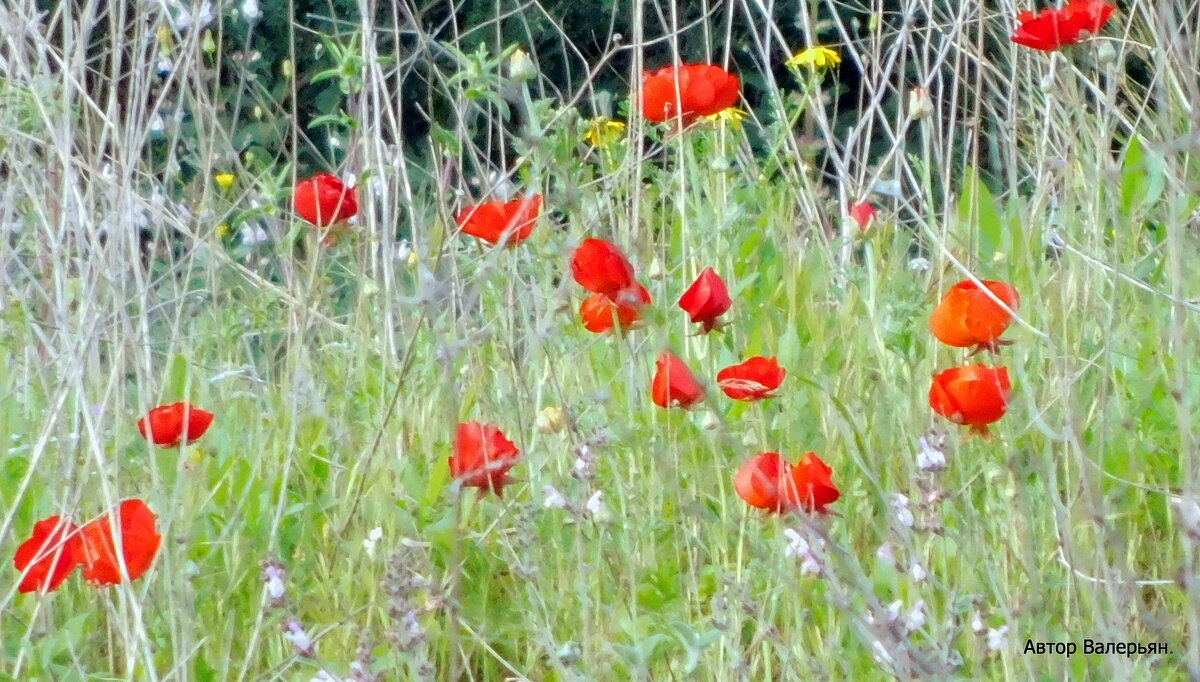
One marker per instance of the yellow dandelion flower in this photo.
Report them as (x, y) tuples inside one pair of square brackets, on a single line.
[(223, 231), (733, 116), (815, 58), (604, 130), (224, 180)]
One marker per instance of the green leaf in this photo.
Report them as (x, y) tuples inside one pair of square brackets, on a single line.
[(176, 380), (978, 208)]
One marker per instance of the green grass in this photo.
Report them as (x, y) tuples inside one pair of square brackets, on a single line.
[(338, 374)]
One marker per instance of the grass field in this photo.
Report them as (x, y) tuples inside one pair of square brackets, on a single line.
[(320, 506)]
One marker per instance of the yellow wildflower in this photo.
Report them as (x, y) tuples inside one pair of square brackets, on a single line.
[(551, 420), (165, 42), (521, 67), (223, 231), (224, 180), (604, 130), (733, 116), (815, 57)]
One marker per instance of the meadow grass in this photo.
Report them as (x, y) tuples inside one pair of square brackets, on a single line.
[(337, 375)]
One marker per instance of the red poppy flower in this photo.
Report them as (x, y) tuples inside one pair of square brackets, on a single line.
[(600, 314), (1054, 28), (707, 299), (812, 485), (674, 383), (975, 395), (768, 481), (324, 200), (862, 213), (754, 379), (495, 221), (482, 457), (138, 539), (601, 268), (164, 425), (759, 480), (49, 556), (967, 316), (692, 90)]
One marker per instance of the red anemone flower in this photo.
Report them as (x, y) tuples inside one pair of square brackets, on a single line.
[(601, 268), (768, 481), (48, 556), (707, 299), (600, 314), (165, 424), (510, 222), (1053, 28), (975, 395), (482, 457), (967, 316), (674, 383), (862, 214), (754, 379), (324, 200), (138, 539), (687, 91)]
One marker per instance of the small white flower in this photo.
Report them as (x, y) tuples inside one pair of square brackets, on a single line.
[(412, 624), (919, 264), (157, 125), (915, 619), (885, 554), (595, 506), (252, 234), (554, 498), (893, 611), (250, 10), (930, 458), (976, 623), (372, 538), (997, 638), (404, 251), (193, 17), (917, 571), (275, 588), (798, 547), (300, 640), (810, 566), (1187, 515), (904, 515), (502, 187), (273, 575)]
